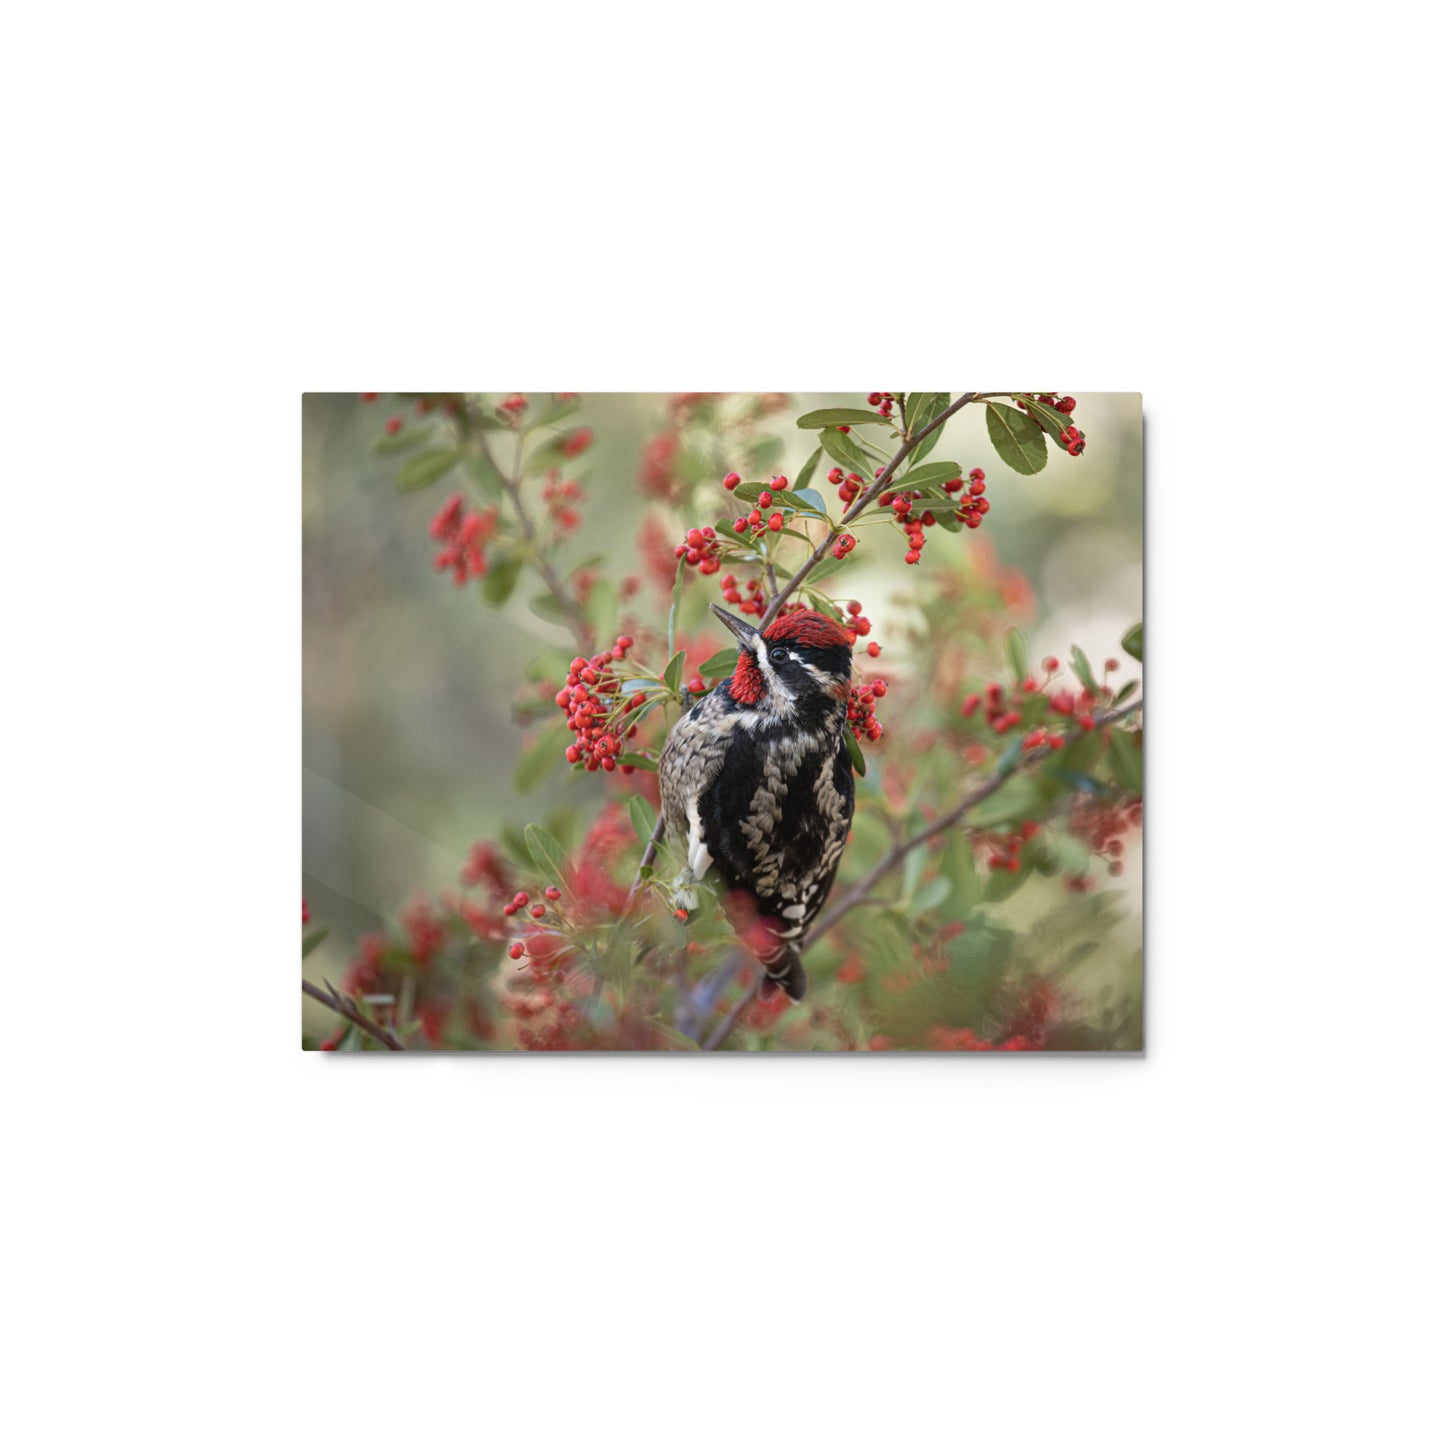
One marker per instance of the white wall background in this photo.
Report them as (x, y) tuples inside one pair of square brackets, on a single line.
[(213, 1237)]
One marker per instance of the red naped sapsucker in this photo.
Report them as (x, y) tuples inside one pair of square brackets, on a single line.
[(757, 783)]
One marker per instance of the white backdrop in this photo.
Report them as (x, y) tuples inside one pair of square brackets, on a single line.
[(214, 1237)]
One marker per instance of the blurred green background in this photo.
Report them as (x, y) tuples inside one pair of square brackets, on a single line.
[(408, 739)]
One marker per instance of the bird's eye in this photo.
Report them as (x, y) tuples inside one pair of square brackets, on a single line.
[(778, 656)]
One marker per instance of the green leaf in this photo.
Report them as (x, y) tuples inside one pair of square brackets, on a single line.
[(672, 676), (1133, 642), (720, 664), (547, 854), (934, 474), (538, 761), (846, 452), (427, 467), (929, 407), (959, 866), (558, 411), (1126, 692), (829, 565), (403, 441), (860, 763), (809, 467), (1018, 654), (546, 606), (1127, 761), (842, 416), (1016, 800), (807, 497), (313, 941), (1016, 439), (636, 760), (923, 406), (485, 474), (1054, 421), (644, 820), (501, 579), (1004, 884), (1082, 670), (931, 894)]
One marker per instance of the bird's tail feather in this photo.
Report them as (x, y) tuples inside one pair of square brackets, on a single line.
[(782, 969)]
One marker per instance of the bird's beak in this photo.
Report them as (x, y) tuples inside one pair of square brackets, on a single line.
[(746, 634)]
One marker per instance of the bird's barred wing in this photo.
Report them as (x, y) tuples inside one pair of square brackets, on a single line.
[(782, 839)]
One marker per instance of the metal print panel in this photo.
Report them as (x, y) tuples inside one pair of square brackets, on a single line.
[(723, 722)]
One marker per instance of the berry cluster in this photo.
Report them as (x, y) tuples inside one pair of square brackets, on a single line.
[(590, 700), (464, 533), (1071, 437), (856, 626), (576, 441), (657, 473), (1003, 711), (1102, 824), (700, 549), (883, 400), (755, 602), (862, 700), (512, 408), (559, 497), (1008, 847), (844, 545), (849, 485)]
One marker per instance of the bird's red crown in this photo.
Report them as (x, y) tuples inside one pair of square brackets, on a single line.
[(807, 629)]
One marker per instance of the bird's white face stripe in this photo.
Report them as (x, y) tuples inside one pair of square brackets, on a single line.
[(779, 689)]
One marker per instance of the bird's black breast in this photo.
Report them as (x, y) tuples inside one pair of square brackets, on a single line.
[(776, 817)]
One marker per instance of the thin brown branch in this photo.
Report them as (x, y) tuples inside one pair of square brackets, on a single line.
[(512, 485), (866, 500), (348, 1010), (719, 1035), (649, 856), (859, 892)]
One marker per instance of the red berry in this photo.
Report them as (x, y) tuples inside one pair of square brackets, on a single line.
[(1065, 404), (765, 500), (553, 893), (731, 480), (780, 484), (874, 649), (538, 910), (516, 950), (393, 425), (912, 557), (775, 522)]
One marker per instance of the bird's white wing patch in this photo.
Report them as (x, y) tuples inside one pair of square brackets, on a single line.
[(698, 857)]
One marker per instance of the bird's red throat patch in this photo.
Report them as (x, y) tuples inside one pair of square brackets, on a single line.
[(747, 683)]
